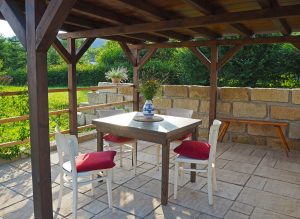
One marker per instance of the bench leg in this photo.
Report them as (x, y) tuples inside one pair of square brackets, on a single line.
[(282, 139), (223, 131)]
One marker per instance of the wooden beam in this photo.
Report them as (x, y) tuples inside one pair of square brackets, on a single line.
[(14, 16), (52, 20), (297, 45), (62, 51), (136, 93), (232, 52), (128, 53), (83, 48), (204, 60), (224, 42), (203, 7), (207, 32), (213, 83), (280, 12), (146, 58), (72, 86), (39, 115), (148, 37)]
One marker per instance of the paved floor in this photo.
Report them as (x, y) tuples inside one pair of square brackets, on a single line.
[(254, 182)]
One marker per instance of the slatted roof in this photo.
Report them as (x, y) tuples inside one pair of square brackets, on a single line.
[(240, 18)]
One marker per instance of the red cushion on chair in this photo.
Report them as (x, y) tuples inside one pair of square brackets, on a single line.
[(116, 139), (185, 137), (95, 161), (193, 149)]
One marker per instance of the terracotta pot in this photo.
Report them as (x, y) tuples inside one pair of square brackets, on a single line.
[(116, 80)]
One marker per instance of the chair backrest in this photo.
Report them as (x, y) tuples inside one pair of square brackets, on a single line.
[(180, 112), (106, 113), (67, 147), (213, 139)]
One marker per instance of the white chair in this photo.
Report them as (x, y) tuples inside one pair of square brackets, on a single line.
[(203, 154), (82, 169), (186, 113), (116, 141)]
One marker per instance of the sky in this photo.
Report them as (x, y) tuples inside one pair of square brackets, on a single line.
[(5, 29)]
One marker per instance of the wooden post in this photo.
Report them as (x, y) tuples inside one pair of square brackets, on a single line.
[(136, 93), (213, 83), (72, 88), (39, 118)]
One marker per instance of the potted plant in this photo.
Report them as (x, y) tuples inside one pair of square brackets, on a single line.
[(117, 75), (149, 88)]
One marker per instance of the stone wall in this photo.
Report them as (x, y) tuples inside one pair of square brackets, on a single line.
[(246, 103)]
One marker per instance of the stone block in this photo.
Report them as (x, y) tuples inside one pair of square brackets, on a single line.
[(162, 103), (125, 90), (199, 92), (252, 110), (237, 127), (111, 98), (273, 142), (223, 108), (175, 91), (203, 133), (205, 122), (296, 96), (294, 130), (204, 106), (186, 104), (107, 90), (244, 139), (80, 118), (234, 93), (282, 112), (89, 118), (262, 130), (270, 94), (128, 98), (90, 111), (96, 98)]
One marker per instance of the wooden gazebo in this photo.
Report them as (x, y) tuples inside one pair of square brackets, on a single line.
[(135, 25)]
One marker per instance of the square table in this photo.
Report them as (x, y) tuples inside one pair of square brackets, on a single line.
[(162, 132)]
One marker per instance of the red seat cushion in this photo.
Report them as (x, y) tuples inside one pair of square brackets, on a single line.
[(116, 139), (185, 137), (193, 149), (95, 161)]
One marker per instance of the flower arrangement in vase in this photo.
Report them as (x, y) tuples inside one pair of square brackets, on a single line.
[(117, 75)]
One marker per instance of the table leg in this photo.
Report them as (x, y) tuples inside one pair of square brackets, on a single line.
[(99, 141), (193, 166), (165, 173)]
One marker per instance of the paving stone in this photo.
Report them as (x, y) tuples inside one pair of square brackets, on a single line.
[(114, 214), (20, 210), (286, 165), (232, 177), (268, 161), (23, 164), (137, 182), (259, 213), (8, 172), (226, 190), (95, 207), (235, 215), (256, 182), (132, 201), (273, 173), (220, 163), (153, 188), (173, 211), (82, 214), (269, 201), (198, 185), (153, 173), (205, 216), (283, 188), (240, 167), (9, 197), (242, 208)]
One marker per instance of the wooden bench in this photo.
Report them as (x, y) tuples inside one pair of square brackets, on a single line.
[(277, 125)]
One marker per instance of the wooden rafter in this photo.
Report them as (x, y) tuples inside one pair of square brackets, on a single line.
[(83, 48), (128, 53), (51, 21), (207, 32), (146, 57), (280, 12), (62, 51), (232, 52), (207, 8), (13, 15), (204, 60), (280, 23)]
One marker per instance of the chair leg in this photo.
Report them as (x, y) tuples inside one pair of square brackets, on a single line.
[(92, 185), (157, 156), (121, 156), (215, 187), (180, 173), (61, 185), (210, 186), (175, 179), (75, 197), (109, 187), (134, 154)]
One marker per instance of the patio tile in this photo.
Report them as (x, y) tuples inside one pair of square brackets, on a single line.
[(153, 173), (235, 215), (259, 213), (22, 209), (153, 188), (220, 163), (283, 175), (268, 162), (240, 167), (137, 182), (8, 172), (122, 175), (289, 166), (199, 201), (148, 158), (269, 201), (132, 201), (232, 176), (205, 216), (9, 197), (114, 214), (222, 147), (242, 208), (173, 211), (283, 188), (226, 190), (82, 214), (95, 207), (23, 164), (256, 182), (198, 185)]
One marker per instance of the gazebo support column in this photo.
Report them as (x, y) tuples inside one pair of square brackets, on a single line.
[(213, 83)]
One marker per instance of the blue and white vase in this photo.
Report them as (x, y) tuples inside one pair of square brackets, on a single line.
[(148, 109)]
